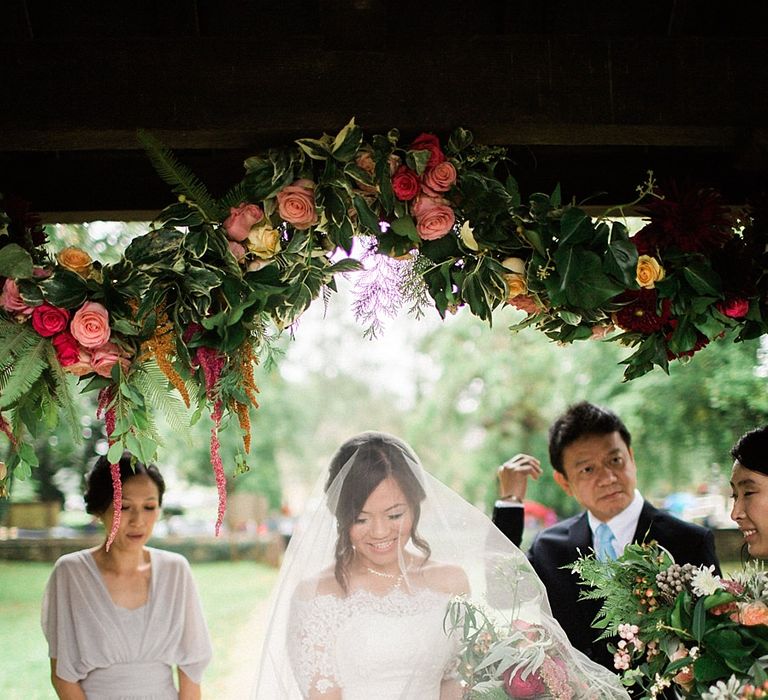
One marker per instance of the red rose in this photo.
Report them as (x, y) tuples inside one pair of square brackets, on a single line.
[(734, 308), (49, 320), (405, 184), (518, 687), (67, 348), (429, 142)]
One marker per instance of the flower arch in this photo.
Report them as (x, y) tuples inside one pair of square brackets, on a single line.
[(182, 318)]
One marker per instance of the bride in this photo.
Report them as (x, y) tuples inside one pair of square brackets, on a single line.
[(392, 549)]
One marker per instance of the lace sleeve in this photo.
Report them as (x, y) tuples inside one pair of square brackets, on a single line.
[(311, 644)]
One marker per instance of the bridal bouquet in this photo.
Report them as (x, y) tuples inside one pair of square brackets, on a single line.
[(514, 660), (681, 626)]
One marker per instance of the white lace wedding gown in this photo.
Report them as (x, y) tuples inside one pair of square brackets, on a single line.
[(373, 647)]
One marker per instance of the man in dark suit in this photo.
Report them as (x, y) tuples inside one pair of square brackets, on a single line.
[(590, 451)]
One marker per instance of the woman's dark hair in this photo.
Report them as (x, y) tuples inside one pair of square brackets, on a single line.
[(376, 457), (98, 484), (751, 450), (582, 419)]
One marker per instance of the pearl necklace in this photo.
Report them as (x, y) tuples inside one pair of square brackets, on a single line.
[(398, 578)]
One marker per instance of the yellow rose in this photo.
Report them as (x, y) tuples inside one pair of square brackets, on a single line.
[(516, 284), (264, 241), (75, 260), (649, 271)]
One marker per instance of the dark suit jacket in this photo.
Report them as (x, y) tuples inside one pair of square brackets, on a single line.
[(565, 541)]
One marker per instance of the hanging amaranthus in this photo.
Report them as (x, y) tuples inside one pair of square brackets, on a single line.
[(161, 347), (107, 412), (212, 363), (247, 358), (244, 419)]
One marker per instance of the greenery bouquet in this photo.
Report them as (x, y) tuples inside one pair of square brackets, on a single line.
[(680, 626)]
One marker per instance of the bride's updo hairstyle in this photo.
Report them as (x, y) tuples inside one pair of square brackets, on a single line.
[(751, 450), (362, 463)]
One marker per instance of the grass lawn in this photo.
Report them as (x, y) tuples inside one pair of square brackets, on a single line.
[(230, 593)]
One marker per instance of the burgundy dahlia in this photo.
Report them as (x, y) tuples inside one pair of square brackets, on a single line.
[(691, 220), (641, 313)]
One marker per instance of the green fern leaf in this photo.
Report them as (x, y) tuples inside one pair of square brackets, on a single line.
[(26, 372), (153, 384), (16, 340), (61, 393), (236, 196), (178, 175)]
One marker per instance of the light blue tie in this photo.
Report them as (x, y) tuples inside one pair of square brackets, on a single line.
[(604, 539)]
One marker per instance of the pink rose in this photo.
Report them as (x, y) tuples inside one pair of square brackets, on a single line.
[(104, 357), (429, 142), (49, 320), (11, 300), (237, 249), (90, 325), (517, 687), (82, 365), (524, 302), (240, 220), (296, 204), (755, 613), (440, 178), (684, 676), (405, 184), (41, 273), (67, 348), (734, 308), (434, 218)]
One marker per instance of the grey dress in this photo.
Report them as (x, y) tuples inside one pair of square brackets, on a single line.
[(121, 654)]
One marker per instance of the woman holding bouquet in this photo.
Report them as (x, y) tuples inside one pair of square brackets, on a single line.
[(366, 604), (749, 484)]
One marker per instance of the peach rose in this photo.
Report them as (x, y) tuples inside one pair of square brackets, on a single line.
[(90, 325), (525, 302), (601, 330), (104, 358), (82, 365), (440, 178), (241, 220), (75, 260), (516, 284), (755, 613), (264, 241), (364, 161), (649, 271), (296, 204), (684, 676), (11, 300)]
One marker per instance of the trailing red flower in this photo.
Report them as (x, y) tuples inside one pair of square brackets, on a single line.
[(693, 221), (641, 313)]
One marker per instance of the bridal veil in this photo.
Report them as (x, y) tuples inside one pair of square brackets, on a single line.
[(399, 646)]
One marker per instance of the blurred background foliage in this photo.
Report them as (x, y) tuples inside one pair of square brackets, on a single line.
[(466, 396)]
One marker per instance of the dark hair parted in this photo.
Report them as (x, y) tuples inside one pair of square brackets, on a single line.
[(579, 420), (751, 450), (98, 484), (377, 456)]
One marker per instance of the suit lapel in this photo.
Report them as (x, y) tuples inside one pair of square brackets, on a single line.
[(580, 536), (644, 529)]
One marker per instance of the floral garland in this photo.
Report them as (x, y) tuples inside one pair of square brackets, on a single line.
[(682, 627), (182, 318)]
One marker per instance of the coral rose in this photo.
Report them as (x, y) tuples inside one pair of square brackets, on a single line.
[(104, 358), (434, 221), (241, 219), (525, 302), (75, 260), (11, 300), (90, 325), (49, 320), (67, 348), (429, 142), (649, 271), (440, 178), (405, 184), (296, 204), (264, 241), (755, 613)]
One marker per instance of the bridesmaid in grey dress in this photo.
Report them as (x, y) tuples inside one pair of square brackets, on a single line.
[(118, 622)]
